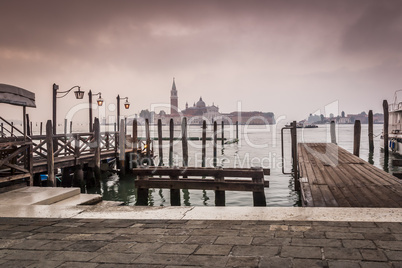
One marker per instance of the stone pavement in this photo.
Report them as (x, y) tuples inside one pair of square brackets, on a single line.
[(69, 242)]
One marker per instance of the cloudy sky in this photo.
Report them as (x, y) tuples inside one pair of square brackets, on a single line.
[(289, 57)]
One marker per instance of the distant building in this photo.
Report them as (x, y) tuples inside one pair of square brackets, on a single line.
[(200, 111)]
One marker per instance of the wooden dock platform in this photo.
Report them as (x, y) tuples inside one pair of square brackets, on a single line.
[(330, 176)]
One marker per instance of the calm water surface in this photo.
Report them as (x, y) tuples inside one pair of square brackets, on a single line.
[(258, 146)]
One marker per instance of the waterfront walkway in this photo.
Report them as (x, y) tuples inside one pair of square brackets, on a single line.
[(95, 236)]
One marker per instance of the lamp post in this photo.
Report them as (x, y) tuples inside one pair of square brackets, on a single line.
[(99, 101), (126, 105), (78, 95)]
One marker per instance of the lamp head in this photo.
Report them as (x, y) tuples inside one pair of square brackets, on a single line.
[(126, 104), (99, 100), (79, 94)]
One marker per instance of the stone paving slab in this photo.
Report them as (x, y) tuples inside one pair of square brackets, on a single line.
[(49, 242)]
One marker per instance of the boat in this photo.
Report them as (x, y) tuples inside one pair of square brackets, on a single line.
[(394, 126), (303, 125)]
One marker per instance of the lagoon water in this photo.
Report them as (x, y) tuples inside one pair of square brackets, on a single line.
[(258, 146)]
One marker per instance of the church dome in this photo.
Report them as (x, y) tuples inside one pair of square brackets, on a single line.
[(200, 103)]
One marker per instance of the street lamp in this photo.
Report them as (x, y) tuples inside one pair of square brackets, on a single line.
[(126, 105), (78, 95), (99, 101)]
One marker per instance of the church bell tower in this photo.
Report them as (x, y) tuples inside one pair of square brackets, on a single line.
[(174, 100)]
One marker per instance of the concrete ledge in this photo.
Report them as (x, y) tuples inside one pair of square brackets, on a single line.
[(205, 213)]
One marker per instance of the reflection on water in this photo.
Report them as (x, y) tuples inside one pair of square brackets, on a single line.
[(258, 146)]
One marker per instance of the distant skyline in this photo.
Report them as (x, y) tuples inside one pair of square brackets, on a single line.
[(292, 57)]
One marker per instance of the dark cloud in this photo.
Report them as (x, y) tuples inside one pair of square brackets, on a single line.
[(377, 30), (237, 48)]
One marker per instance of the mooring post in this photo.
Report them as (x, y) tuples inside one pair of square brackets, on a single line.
[(333, 132), (220, 196), (135, 143), (386, 121), (78, 179), (370, 131), (223, 134), (295, 156), (148, 142), (184, 141), (215, 143), (50, 156), (122, 147), (142, 194), (97, 137), (204, 138), (171, 137), (356, 138), (160, 142), (259, 199), (28, 125), (237, 130), (66, 178)]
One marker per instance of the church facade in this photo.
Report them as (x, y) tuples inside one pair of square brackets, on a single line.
[(195, 114), (200, 111)]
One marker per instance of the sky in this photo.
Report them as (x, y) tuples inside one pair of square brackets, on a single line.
[(292, 58)]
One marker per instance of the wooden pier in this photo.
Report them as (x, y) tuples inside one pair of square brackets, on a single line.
[(330, 176)]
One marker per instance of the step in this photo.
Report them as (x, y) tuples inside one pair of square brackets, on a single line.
[(37, 195), (81, 199), (105, 203)]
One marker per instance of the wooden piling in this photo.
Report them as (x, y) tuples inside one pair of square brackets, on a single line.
[(2, 130), (41, 128), (122, 147), (28, 125), (259, 199), (223, 133), (220, 196), (184, 142), (237, 130), (333, 132), (78, 179), (370, 131), (135, 143), (66, 178), (71, 126), (148, 141), (386, 121), (97, 157), (50, 156), (31, 130), (142, 194), (65, 126), (204, 138), (295, 156), (171, 137), (175, 194), (215, 144), (356, 138), (160, 142)]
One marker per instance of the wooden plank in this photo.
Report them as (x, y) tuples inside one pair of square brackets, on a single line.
[(191, 171), (14, 177), (329, 198), (198, 185)]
